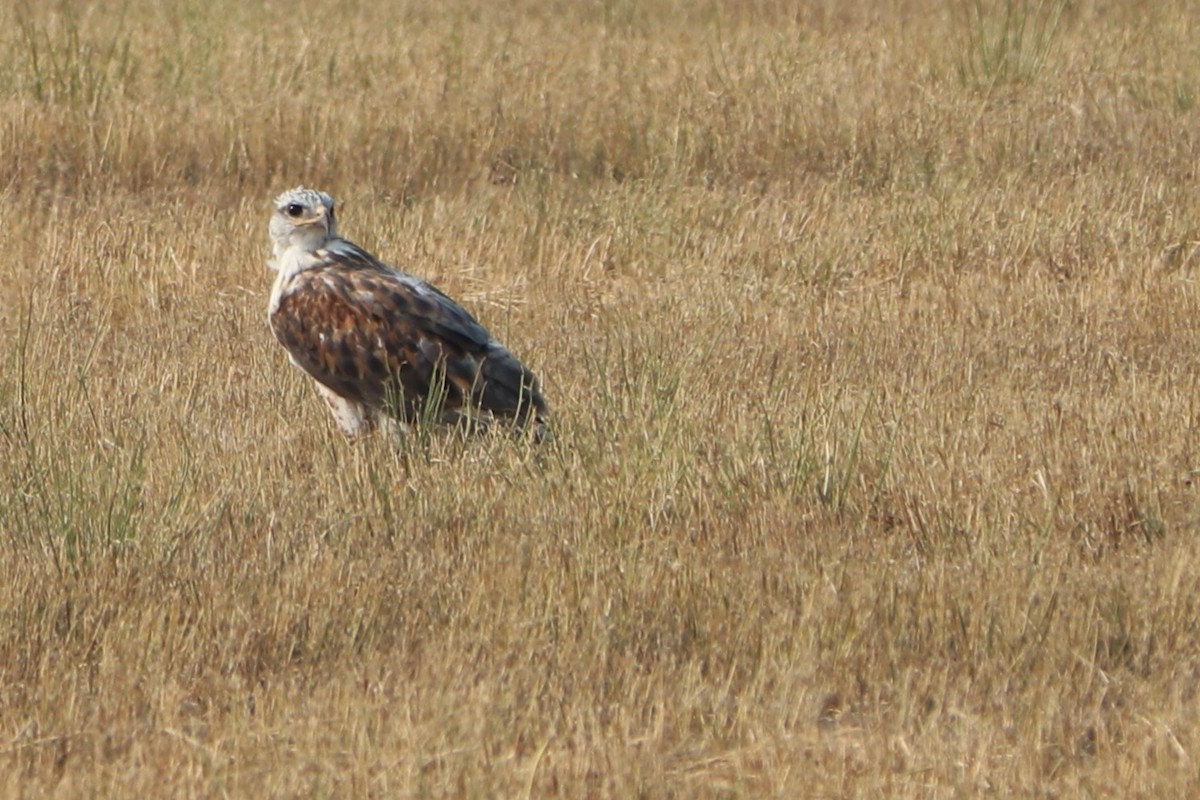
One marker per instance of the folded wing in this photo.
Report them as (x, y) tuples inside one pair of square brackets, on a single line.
[(390, 341)]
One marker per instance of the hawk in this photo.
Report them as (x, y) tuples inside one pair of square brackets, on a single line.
[(382, 344)]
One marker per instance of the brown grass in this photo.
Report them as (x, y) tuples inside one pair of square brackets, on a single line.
[(871, 330)]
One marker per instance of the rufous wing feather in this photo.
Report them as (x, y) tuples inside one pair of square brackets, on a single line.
[(390, 341)]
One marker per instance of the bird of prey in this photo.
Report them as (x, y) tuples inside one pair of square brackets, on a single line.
[(383, 345)]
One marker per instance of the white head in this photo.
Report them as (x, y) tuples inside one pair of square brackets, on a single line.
[(303, 218)]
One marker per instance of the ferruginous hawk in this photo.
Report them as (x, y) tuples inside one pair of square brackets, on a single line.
[(380, 343)]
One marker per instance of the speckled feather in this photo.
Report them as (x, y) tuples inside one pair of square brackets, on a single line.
[(391, 342)]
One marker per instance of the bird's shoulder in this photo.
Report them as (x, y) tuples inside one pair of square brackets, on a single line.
[(352, 284)]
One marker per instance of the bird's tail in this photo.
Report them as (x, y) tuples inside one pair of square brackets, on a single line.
[(510, 389)]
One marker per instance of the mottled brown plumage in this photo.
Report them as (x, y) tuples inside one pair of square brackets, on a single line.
[(381, 342)]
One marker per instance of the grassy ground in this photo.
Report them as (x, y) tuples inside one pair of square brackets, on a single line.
[(871, 333)]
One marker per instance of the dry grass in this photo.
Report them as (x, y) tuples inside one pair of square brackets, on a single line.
[(871, 331)]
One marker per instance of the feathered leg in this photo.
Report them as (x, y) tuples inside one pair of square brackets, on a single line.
[(354, 420)]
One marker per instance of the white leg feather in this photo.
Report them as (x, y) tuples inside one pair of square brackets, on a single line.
[(354, 420)]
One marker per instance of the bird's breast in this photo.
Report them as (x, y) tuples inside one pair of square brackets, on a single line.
[(277, 292)]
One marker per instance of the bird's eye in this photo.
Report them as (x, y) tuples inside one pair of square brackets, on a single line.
[(294, 209)]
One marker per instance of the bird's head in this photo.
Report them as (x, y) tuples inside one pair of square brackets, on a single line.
[(303, 218)]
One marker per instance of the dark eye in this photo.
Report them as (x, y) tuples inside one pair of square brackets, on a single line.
[(294, 209)]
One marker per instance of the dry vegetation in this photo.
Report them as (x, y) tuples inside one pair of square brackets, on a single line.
[(871, 329)]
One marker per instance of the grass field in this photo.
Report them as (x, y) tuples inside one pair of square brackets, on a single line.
[(870, 331)]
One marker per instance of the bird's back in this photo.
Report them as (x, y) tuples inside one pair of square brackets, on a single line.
[(377, 336)]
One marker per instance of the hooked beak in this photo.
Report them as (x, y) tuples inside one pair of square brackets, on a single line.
[(320, 216)]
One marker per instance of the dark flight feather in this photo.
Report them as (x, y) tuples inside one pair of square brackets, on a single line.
[(391, 341)]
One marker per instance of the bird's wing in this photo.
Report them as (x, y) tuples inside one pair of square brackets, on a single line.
[(378, 336)]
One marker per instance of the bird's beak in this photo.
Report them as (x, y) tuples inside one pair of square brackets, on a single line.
[(319, 216)]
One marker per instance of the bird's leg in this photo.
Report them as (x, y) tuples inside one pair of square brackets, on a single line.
[(353, 419)]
